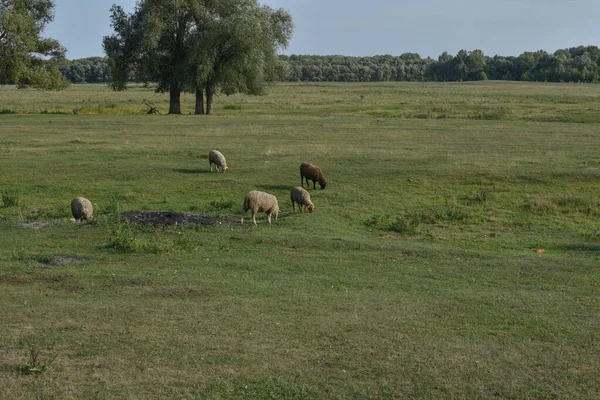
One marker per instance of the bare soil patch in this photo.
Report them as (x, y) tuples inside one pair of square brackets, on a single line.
[(62, 260), (159, 218), (35, 225)]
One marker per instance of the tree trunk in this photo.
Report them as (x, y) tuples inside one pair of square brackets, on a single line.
[(209, 99), (174, 99), (199, 101)]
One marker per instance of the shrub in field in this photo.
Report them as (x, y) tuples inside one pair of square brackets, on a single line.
[(10, 197), (409, 222), (481, 196), (35, 364), (123, 240), (223, 204)]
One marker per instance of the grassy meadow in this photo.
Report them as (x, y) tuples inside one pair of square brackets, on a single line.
[(454, 254)]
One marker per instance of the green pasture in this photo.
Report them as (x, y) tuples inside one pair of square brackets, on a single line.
[(454, 254)]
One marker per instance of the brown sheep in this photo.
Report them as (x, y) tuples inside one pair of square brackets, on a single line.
[(302, 197), (312, 172)]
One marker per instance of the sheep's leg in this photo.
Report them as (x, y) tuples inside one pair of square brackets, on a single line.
[(294, 206), (243, 218), (314, 185), (269, 218), (254, 217)]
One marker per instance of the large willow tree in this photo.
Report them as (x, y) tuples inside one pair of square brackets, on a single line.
[(198, 46), (26, 57)]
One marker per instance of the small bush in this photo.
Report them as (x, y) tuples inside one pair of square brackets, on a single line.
[(378, 220), (481, 196), (35, 364), (11, 197), (222, 204), (409, 222), (123, 240), (406, 224), (7, 111), (218, 208)]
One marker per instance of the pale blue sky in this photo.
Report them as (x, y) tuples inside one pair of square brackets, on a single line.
[(369, 27)]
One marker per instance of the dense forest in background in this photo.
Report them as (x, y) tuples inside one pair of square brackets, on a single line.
[(577, 64)]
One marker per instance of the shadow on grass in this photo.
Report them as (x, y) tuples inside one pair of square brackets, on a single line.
[(580, 247), (274, 187), (192, 171)]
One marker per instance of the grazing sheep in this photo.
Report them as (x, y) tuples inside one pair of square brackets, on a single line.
[(313, 173), (302, 197), (260, 201), (82, 209), (218, 159)]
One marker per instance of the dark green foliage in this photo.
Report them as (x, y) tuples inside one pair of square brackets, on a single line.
[(576, 64), (86, 70), (27, 59), (11, 197), (198, 47)]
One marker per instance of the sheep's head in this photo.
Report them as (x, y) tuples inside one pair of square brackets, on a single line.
[(310, 207), (323, 183), (225, 167)]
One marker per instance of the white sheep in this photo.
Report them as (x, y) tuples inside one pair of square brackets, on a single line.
[(218, 159), (82, 209), (302, 197), (260, 201)]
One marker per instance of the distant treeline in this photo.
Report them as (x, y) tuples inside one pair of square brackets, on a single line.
[(577, 64), (86, 70)]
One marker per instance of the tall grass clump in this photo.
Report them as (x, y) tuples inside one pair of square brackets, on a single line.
[(495, 114), (123, 239), (35, 364), (410, 222), (11, 197), (565, 204), (107, 109)]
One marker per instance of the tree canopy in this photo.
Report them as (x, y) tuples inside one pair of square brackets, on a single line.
[(199, 46), (26, 57)]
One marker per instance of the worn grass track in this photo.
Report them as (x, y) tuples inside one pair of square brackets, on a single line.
[(418, 275)]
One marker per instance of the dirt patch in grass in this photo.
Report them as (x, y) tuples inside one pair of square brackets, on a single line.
[(62, 260), (35, 225), (159, 218)]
